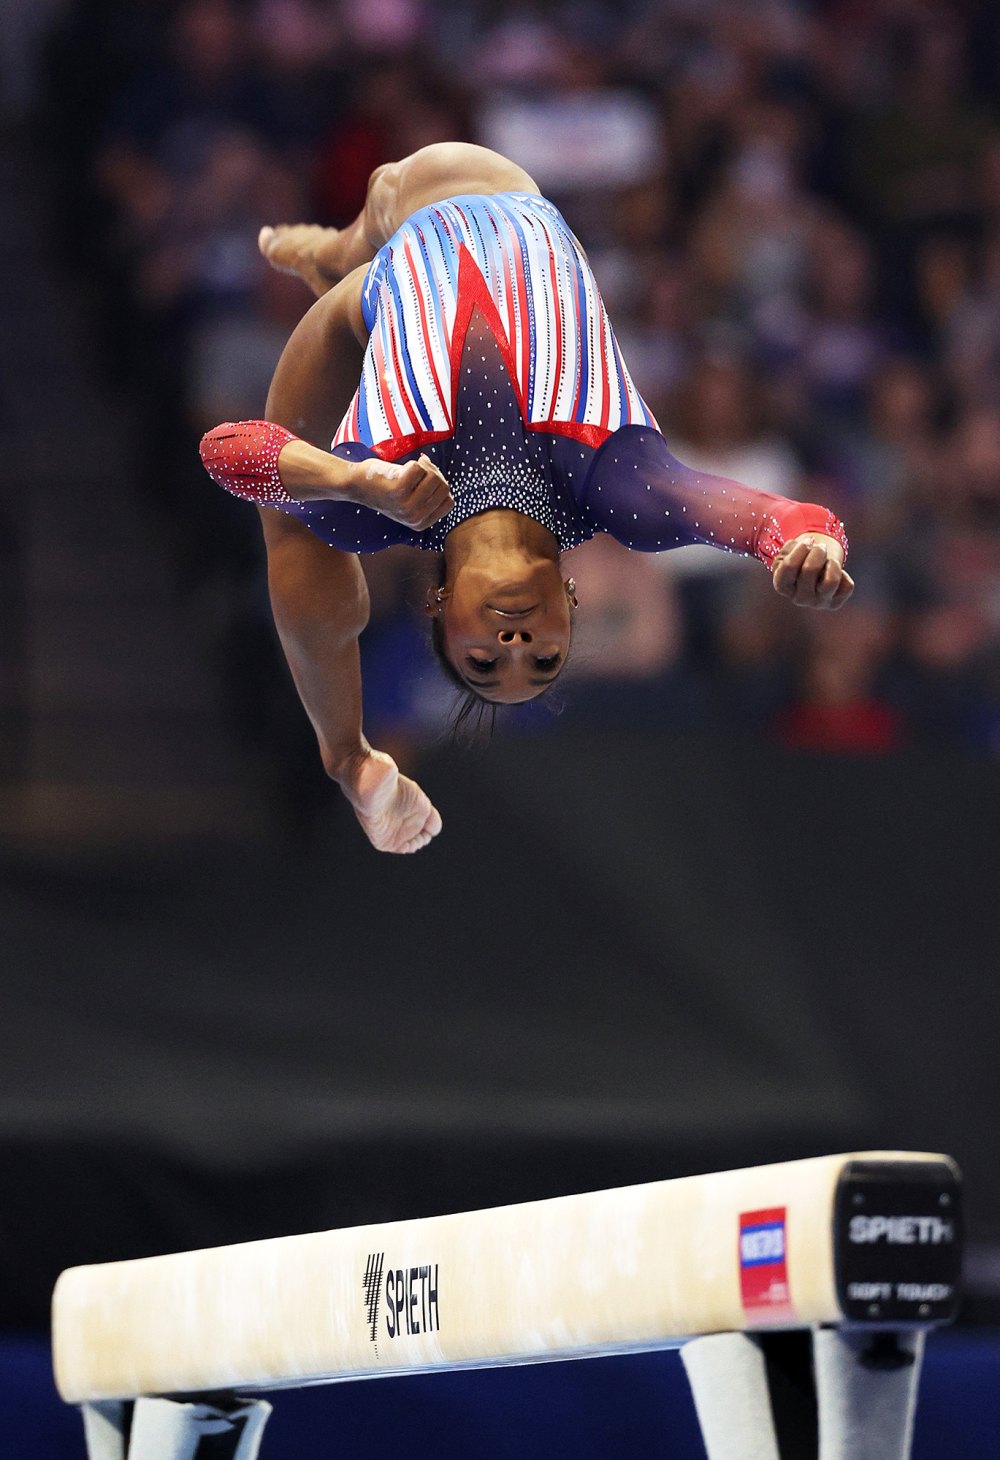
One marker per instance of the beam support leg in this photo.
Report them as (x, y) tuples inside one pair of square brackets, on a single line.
[(168, 1429), (765, 1397), (105, 1430), (866, 1387), (728, 1377)]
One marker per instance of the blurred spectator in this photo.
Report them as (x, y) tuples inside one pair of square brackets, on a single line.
[(918, 153), (393, 113), (842, 342), (631, 626), (572, 130), (626, 663), (889, 456), (839, 705)]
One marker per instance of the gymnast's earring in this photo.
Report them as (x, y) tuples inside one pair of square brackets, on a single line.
[(435, 598), (570, 586)]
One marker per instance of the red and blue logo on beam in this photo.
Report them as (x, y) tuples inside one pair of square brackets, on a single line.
[(764, 1267)]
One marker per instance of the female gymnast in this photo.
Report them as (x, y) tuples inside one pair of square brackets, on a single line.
[(495, 423)]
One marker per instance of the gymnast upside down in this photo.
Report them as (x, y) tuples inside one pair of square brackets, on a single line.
[(461, 362)]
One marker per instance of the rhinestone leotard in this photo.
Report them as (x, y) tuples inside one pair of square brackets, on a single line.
[(491, 351), (631, 487)]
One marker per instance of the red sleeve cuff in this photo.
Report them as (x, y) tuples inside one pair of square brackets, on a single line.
[(786, 520), (242, 456)]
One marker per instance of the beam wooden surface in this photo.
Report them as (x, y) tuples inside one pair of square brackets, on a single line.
[(635, 1268)]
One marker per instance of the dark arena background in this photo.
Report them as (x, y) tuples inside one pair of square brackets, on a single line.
[(732, 899)]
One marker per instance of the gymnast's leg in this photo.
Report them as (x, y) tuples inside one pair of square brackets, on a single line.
[(323, 256)]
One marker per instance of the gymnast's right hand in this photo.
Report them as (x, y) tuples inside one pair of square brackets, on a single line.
[(415, 493), (396, 814)]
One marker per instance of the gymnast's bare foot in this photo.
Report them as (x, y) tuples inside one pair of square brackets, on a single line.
[(306, 250), (396, 814)]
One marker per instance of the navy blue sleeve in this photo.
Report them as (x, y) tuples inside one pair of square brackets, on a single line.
[(647, 499)]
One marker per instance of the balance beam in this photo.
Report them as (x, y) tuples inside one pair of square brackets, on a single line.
[(870, 1239)]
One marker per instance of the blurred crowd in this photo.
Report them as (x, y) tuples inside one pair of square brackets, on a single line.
[(793, 210)]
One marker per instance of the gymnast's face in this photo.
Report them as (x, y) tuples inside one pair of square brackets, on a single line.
[(506, 637)]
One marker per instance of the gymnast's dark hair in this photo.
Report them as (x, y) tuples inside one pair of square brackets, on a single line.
[(475, 719), (476, 716)]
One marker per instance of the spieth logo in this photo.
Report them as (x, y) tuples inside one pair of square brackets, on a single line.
[(411, 1299), (372, 1283), (903, 1231)]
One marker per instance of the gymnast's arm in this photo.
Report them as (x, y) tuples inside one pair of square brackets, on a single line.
[(647, 499), (283, 461)]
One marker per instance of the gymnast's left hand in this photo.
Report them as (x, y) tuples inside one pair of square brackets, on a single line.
[(414, 493), (809, 570), (397, 816)]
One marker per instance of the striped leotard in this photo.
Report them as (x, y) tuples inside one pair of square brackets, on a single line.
[(512, 257)]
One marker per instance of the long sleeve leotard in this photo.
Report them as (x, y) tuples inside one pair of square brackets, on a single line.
[(491, 352)]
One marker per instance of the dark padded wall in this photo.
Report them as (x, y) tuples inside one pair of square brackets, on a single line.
[(624, 959)]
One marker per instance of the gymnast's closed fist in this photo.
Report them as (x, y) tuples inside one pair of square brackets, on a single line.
[(809, 570), (415, 494)]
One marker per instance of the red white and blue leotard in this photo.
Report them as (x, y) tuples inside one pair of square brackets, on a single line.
[(490, 350)]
